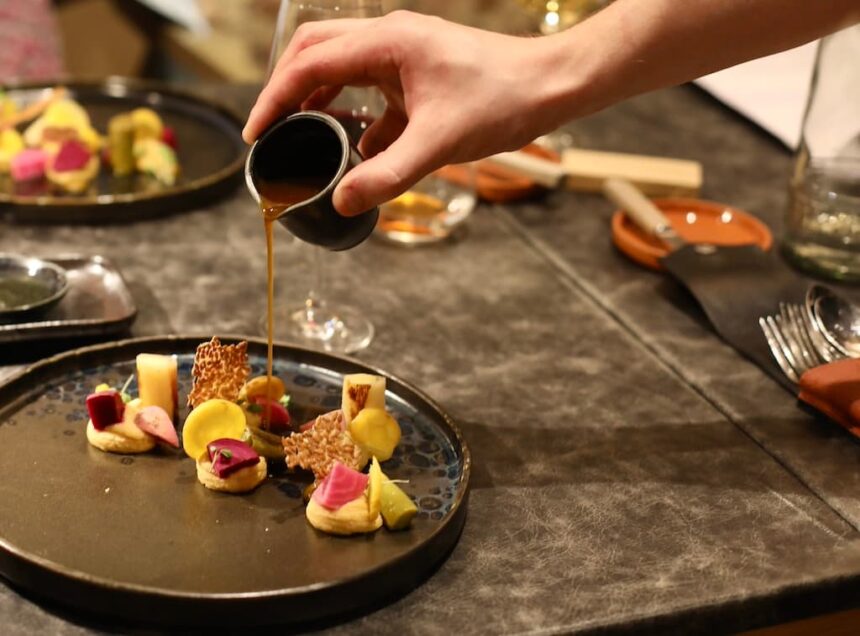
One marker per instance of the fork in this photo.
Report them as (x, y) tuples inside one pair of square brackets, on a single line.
[(794, 341)]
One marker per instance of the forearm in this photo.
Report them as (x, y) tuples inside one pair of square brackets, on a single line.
[(635, 46), (457, 94)]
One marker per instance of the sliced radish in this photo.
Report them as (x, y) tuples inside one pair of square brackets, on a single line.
[(155, 421)]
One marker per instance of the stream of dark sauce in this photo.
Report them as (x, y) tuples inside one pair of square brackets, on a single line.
[(275, 197)]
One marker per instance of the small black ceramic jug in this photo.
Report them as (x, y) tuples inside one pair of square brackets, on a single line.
[(309, 149)]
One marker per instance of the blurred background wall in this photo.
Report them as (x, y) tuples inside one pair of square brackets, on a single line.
[(211, 39)]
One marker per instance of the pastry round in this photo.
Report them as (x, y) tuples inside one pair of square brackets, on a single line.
[(124, 438), (243, 480), (351, 518)]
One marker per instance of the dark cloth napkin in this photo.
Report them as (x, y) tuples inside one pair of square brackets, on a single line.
[(834, 389)]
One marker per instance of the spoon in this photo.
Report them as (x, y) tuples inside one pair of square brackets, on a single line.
[(837, 319)]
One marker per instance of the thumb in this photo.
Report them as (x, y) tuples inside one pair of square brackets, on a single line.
[(389, 174)]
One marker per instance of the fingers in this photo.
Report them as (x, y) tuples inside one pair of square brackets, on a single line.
[(382, 133), (311, 33), (390, 173), (335, 60)]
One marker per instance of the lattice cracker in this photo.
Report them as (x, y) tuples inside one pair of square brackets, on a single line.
[(318, 448), (220, 371)]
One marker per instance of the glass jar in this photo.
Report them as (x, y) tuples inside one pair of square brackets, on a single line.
[(822, 229)]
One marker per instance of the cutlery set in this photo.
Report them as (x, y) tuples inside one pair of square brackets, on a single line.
[(823, 328), (755, 303)]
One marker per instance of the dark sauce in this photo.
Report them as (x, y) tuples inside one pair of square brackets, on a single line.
[(277, 196), (20, 292)]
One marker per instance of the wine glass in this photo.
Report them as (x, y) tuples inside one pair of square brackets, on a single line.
[(319, 323)]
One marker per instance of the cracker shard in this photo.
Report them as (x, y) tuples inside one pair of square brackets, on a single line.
[(220, 371), (318, 448)]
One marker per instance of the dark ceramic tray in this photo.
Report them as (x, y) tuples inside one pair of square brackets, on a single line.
[(140, 539), (211, 155), (98, 303)]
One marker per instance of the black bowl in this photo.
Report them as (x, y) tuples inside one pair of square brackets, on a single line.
[(38, 285)]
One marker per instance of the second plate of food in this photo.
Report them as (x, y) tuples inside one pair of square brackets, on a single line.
[(139, 537), (113, 151)]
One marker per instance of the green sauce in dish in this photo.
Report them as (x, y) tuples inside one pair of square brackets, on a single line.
[(19, 292)]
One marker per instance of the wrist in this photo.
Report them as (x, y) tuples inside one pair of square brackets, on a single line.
[(566, 77)]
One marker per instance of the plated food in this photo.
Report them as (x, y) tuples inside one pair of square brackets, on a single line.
[(240, 430), (52, 147), (178, 553)]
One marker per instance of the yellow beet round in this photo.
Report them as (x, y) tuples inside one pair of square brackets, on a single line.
[(376, 432), (214, 419), (147, 124), (258, 387)]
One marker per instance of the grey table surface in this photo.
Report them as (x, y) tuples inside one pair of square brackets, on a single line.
[(632, 473)]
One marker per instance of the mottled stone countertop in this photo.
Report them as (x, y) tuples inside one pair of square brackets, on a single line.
[(632, 472)]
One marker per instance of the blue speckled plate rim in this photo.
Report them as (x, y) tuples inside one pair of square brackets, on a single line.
[(15, 389)]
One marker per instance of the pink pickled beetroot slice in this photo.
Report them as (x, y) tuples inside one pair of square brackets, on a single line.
[(105, 408), (341, 485), (229, 455), (278, 420), (155, 421), (28, 164), (73, 155)]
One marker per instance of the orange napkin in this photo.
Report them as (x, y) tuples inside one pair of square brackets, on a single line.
[(834, 389)]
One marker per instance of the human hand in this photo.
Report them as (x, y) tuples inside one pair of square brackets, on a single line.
[(453, 94)]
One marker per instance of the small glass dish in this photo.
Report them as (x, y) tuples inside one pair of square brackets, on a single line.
[(29, 285), (432, 210)]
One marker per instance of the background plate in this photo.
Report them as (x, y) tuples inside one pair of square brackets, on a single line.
[(139, 538), (98, 303), (211, 155)]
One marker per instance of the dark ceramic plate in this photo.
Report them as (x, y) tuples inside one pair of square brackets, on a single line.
[(98, 303), (211, 155), (139, 538)]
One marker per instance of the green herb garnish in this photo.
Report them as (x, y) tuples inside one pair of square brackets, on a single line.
[(223, 452), (285, 400), (126, 398), (255, 408)]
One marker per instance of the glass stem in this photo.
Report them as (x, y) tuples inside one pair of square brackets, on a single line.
[(316, 295)]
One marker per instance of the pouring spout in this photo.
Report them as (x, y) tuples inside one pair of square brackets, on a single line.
[(249, 180)]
